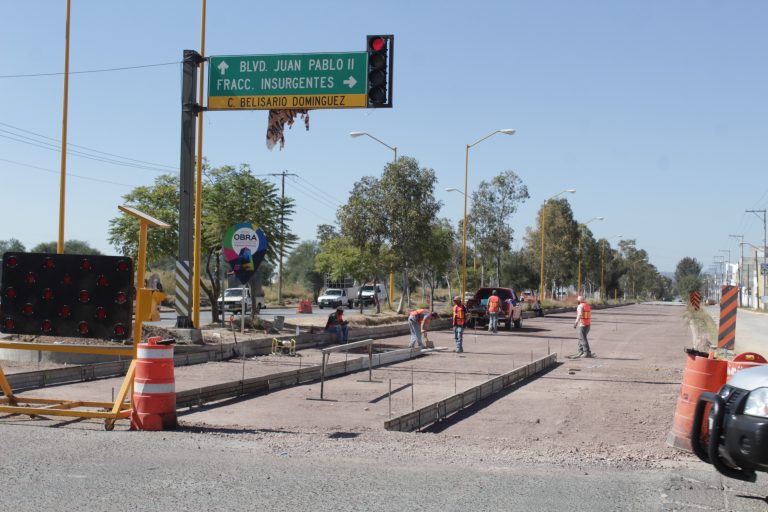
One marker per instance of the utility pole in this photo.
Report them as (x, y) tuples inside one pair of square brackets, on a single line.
[(741, 264), (282, 237), (765, 243)]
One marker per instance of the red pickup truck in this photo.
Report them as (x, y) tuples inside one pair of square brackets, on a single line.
[(511, 310)]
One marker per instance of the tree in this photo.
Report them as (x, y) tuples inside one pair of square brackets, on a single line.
[(687, 267), (229, 196), (437, 256), (687, 276), (408, 207), (70, 247), (361, 224), (300, 267), (396, 210), (11, 245), (493, 205), (560, 243), (161, 201), (235, 195)]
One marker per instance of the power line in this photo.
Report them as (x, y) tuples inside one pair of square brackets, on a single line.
[(51, 147), (106, 70), (170, 167), (68, 174)]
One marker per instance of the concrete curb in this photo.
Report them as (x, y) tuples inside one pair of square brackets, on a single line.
[(437, 411)]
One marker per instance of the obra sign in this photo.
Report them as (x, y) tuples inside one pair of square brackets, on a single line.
[(290, 81), (244, 246)]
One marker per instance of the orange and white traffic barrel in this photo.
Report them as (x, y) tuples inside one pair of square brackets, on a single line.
[(154, 388)]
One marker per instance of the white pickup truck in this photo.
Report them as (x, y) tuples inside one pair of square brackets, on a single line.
[(334, 297), (233, 301)]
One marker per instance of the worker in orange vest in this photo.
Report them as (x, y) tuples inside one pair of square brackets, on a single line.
[(418, 321), (459, 319), (494, 305), (583, 322)]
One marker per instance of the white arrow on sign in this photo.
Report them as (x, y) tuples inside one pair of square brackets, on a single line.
[(223, 67), (350, 81)]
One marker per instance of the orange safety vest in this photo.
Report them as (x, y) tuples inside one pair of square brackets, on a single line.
[(586, 314), (420, 316), (493, 304), (458, 315)]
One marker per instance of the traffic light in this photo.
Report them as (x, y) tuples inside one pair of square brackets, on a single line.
[(67, 295), (380, 56)]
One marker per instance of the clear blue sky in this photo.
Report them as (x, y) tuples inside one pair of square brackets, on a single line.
[(654, 111)]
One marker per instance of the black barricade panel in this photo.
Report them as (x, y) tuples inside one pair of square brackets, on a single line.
[(67, 295)]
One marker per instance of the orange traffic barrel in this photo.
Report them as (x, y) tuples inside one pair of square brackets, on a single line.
[(701, 374), (154, 387), (744, 360), (305, 306)]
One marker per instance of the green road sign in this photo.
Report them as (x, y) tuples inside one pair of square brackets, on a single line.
[(290, 81)]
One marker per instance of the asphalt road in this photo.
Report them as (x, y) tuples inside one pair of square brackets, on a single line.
[(751, 327)]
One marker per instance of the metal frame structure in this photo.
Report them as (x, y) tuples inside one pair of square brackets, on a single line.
[(111, 411)]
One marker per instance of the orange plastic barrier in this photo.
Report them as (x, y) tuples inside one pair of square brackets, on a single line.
[(305, 306), (701, 374), (154, 388), (744, 360)]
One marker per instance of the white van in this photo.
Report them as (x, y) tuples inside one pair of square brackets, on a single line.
[(367, 294)]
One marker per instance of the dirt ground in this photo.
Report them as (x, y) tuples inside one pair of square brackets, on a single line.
[(614, 409)]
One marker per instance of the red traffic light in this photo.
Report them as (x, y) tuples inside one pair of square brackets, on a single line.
[(377, 43)]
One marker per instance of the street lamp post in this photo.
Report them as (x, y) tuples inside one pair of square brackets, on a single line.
[(602, 265), (354, 135), (505, 131), (543, 216), (741, 267), (578, 283)]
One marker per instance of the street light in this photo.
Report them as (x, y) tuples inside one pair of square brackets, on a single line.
[(354, 135), (360, 134), (578, 289), (602, 264), (505, 131), (543, 212)]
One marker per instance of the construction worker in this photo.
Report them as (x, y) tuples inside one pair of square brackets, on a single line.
[(494, 305), (583, 322), (337, 325), (459, 319), (418, 321)]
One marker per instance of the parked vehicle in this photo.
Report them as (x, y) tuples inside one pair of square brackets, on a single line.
[(477, 307), (233, 301), (737, 443), (367, 294), (335, 297)]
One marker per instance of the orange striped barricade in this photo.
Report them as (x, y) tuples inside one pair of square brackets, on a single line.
[(305, 306), (729, 299), (154, 388)]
